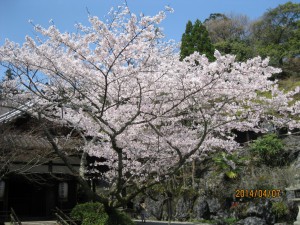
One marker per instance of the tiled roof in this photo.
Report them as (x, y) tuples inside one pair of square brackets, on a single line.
[(30, 146), (27, 149), (12, 114)]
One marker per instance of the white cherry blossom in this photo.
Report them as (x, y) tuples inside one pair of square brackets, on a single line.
[(148, 112)]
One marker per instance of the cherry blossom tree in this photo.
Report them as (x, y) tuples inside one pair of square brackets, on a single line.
[(123, 88)]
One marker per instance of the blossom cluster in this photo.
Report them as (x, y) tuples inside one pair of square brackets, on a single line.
[(147, 112)]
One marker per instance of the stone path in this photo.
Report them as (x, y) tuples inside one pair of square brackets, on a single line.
[(138, 222)]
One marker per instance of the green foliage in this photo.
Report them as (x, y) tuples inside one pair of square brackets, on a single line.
[(277, 34), (277, 25), (215, 16), (289, 84), (89, 213), (268, 148), (230, 220), (229, 164), (119, 218), (280, 210), (196, 39), (93, 213), (229, 34), (240, 48)]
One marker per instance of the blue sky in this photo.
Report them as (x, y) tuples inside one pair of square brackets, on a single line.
[(14, 14)]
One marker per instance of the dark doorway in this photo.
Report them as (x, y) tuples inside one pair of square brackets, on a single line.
[(28, 199)]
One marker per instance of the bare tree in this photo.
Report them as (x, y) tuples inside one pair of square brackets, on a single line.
[(227, 27)]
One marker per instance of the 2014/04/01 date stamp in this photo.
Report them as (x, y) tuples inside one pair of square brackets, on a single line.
[(257, 193)]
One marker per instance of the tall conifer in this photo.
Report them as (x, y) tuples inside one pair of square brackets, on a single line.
[(196, 38)]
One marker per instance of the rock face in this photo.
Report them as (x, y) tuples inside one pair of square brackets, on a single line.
[(261, 210), (183, 208), (155, 208), (201, 209), (214, 205), (293, 211), (292, 147), (252, 221), (203, 203)]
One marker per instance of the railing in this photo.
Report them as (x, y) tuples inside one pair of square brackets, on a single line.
[(63, 219), (13, 217)]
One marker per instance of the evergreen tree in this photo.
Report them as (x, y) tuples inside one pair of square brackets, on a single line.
[(196, 38), (276, 35), (9, 74)]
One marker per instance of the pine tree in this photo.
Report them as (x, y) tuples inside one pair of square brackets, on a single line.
[(196, 38)]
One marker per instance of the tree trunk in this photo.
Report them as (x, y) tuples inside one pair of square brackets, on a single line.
[(92, 196), (116, 217)]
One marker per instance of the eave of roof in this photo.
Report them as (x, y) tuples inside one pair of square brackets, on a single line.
[(12, 114)]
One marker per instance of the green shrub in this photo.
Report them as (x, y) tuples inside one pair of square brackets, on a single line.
[(230, 220), (280, 210), (90, 213), (119, 218), (269, 149), (229, 164)]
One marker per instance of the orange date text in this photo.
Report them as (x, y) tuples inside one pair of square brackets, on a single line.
[(257, 193)]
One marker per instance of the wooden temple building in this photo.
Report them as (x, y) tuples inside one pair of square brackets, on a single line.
[(33, 180)]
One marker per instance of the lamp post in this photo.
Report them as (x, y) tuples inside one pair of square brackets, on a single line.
[(296, 191), (63, 191)]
